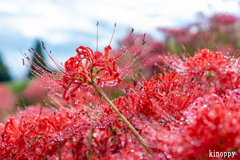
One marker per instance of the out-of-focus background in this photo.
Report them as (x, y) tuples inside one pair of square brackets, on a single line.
[(65, 25)]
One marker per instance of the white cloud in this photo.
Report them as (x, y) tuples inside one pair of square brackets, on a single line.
[(58, 38), (40, 18), (9, 7)]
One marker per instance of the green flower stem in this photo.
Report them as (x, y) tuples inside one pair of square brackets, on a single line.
[(114, 132), (59, 150), (90, 143), (137, 135)]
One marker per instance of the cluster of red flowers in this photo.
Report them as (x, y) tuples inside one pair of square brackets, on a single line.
[(7, 98), (224, 19), (189, 106)]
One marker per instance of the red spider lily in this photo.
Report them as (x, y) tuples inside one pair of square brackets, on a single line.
[(204, 63), (204, 59), (164, 95), (37, 136), (98, 69), (89, 67), (215, 127), (221, 70)]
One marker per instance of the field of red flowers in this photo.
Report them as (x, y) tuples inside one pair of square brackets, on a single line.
[(175, 99)]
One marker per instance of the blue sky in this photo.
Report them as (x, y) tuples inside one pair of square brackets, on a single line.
[(65, 25)]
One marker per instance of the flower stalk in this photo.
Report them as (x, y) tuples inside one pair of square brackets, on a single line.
[(59, 150), (114, 132), (90, 143), (137, 135)]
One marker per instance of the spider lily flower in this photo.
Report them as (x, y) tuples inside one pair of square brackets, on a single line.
[(203, 63), (89, 67), (218, 121)]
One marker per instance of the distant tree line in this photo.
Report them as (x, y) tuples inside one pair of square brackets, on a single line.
[(4, 73)]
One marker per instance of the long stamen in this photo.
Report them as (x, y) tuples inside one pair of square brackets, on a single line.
[(53, 59), (112, 34), (97, 36), (128, 61), (216, 44), (146, 58), (135, 48), (122, 50)]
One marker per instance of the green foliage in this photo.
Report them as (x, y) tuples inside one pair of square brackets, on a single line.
[(18, 86), (38, 61), (4, 75)]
